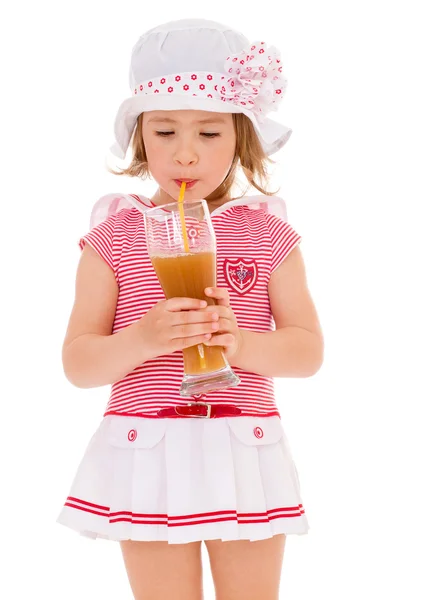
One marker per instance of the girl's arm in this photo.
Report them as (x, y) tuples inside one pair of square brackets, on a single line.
[(94, 356), (296, 348), (91, 355)]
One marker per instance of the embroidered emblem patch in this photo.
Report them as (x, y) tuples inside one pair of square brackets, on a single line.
[(132, 435), (240, 274)]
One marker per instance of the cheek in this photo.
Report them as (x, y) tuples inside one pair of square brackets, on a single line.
[(223, 153), (225, 162), (156, 154)]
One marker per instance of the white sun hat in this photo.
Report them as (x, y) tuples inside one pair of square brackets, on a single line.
[(203, 65)]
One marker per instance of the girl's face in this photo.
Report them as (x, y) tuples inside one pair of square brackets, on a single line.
[(188, 144)]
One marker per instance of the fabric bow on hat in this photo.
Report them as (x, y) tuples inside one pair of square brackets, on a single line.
[(255, 79)]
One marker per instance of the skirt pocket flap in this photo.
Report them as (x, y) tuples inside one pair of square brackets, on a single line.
[(254, 431), (136, 432)]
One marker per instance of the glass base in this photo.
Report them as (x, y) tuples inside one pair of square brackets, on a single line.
[(208, 382)]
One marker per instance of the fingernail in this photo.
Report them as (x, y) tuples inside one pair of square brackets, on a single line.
[(203, 304), (208, 290)]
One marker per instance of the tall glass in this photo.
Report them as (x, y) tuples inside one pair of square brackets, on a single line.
[(187, 274)]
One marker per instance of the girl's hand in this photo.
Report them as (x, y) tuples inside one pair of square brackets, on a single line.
[(175, 324), (228, 335)]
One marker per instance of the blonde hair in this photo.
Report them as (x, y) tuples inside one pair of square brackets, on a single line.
[(249, 154)]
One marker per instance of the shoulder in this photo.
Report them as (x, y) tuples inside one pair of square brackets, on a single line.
[(253, 207), (116, 224), (269, 209), (127, 227), (128, 216), (117, 207), (112, 221)]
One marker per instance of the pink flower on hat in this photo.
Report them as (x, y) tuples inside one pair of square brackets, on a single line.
[(261, 85)]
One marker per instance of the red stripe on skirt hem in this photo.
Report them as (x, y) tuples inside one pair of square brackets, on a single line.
[(208, 514), (93, 512), (163, 519), (241, 521), (72, 499)]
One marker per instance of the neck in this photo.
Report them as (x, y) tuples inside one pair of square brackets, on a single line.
[(160, 197)]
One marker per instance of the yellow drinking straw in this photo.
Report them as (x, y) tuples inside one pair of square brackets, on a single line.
[(200, 347), (182, 216)]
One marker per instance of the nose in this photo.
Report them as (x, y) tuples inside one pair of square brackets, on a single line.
[(186, 155)]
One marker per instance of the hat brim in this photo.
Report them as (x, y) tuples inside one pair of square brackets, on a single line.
[(273, 135)]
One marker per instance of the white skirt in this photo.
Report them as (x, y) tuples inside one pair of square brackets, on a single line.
[(187, 479)]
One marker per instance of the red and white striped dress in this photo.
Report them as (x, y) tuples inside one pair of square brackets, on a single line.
[(181, 480), (251, 244)]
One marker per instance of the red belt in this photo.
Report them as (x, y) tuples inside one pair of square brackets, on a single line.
[(200, 409)]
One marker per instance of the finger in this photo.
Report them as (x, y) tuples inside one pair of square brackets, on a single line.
[(187, 331), (193, 316), (181, 343), (225, 326), (219, 294), (176, 304), (226, 339), (223, 311)]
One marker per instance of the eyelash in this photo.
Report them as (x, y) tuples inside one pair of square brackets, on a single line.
[(168, 133)]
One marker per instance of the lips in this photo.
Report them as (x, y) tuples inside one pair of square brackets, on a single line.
[(189, 182)]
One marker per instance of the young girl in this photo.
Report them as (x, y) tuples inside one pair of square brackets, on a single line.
[(154, 477)]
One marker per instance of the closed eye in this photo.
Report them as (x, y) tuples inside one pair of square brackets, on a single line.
[(168, 133)]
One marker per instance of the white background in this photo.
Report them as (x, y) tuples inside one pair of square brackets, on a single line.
[(359, 177)]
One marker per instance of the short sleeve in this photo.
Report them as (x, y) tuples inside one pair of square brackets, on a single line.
[(284, 239), (101, 239)]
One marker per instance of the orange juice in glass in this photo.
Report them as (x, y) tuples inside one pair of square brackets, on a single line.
[(187, 274)]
